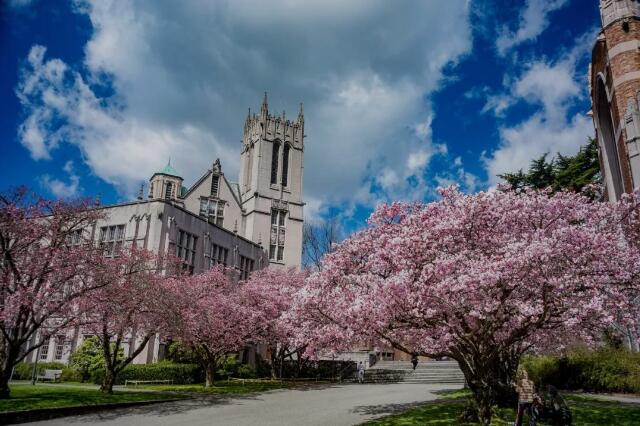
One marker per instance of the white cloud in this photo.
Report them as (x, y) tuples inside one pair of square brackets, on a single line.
[(58, 187), (183, 75), (497, 104), (533, 21), (554, 87), (388, 179)]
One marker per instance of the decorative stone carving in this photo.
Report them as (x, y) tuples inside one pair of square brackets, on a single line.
[(632, 140)]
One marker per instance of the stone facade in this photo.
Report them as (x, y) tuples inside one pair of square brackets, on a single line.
[(615, 92), (245, 226)]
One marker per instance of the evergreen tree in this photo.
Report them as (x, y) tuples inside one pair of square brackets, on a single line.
[(563, 172)]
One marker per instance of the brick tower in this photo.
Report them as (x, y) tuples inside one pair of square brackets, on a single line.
[(615, 88)]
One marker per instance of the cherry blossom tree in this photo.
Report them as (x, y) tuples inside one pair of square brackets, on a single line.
[(267, 297), (47, 261), (207, 315), (479, 278), (129, 309)]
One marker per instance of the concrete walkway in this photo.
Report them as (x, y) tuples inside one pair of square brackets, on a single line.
[(329, 405)]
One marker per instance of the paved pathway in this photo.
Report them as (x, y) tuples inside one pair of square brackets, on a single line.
[(329, 405)]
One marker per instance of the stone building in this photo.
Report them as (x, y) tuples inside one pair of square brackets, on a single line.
[(614, 80), (245, 226)]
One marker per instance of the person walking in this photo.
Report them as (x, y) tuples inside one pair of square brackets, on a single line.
[(526, 398), (360, 372), (414, 361)]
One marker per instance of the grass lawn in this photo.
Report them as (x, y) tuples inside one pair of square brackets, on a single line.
[(586, 412), (223, 387), (28, 397)]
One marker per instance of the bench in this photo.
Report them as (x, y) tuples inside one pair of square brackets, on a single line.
[(53, 375), (147, 382)]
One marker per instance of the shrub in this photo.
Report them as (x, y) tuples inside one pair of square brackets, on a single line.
[(246, 371), (163, 370), (24, 370), (181, 354), (87, 358), (70, 374), (603, 370)]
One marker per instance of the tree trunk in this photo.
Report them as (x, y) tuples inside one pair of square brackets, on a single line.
[(8, 359), (210, 374), (108, 382), (490, 380), (4, 384)]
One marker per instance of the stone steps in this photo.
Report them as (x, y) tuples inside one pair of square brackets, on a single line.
[(437, 372)]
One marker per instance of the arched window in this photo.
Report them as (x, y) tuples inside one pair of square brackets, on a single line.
[(274, 162), (168, 190), (607, 140), (285, 164)]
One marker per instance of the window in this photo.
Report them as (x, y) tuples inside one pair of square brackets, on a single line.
[(275, 153), (212, 210), (215, 184), (168, 191), (186, 249), (276, 243), (59, 348), (74, 238), (44, 350), (285, 165), (219, 255), (111, 239), (246, 266)]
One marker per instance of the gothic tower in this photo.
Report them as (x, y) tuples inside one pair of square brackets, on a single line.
[(271, 170), (615, 88)]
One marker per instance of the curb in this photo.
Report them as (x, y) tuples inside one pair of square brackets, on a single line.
[(15, 417)]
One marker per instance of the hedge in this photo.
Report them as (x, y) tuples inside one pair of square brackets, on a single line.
[(163, 370), (602, 370), (24, 370)]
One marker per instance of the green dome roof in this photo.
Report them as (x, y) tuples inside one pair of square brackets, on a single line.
[(169, 170)]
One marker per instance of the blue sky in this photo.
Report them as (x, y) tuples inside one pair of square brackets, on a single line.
[(400, 97)]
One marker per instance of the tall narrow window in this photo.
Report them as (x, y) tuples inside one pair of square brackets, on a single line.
[(285, 165), (215, 183), (168, 190), (274, 162), (59, 348), (44, 350), (186, 249), (276, 243)]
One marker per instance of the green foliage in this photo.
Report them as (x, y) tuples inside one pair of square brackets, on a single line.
[(229, 367), (87, 358), (603, 370), (246, 371), (163, 370), (70, 374), (24, 370), (563, 172), (181, 354)]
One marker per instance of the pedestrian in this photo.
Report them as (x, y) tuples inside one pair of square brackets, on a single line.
[(360, 372), (414, 361), (526, 398)]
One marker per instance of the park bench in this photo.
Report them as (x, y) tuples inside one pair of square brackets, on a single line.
[(53, 375), (147, 382)]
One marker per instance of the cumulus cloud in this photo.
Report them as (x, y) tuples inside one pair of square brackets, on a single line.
[(183, 75), (554, 87), (60, 188), (533, 21)]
